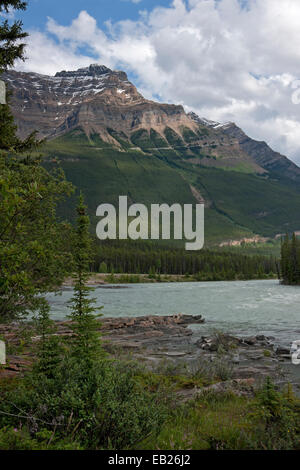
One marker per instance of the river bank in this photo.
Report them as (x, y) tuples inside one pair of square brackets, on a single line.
[(170, 343), (99, 279)]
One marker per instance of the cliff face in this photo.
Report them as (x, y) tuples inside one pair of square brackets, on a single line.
[(263, 155), (93, 98), (104, 102), (110, 140), (259, 152)]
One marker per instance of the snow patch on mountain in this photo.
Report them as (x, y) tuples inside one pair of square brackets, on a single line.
[(208, 123)]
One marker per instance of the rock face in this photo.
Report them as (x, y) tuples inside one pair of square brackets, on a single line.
[(263, 155), (259, 152), (93, 98), (101, 101)]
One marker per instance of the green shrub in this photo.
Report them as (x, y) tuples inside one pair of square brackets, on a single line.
[(104, 407), (278, 415)]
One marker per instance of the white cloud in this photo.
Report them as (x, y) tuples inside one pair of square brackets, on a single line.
[(215, 57)]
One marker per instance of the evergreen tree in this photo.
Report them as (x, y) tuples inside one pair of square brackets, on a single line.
[(290, 260), (34, 252), (49, 350), (11, 35), (86, 345), (12, 49), (295, 274), (103, 267), (33, 248)]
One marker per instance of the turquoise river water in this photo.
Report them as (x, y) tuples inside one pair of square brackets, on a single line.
[(242, 308)]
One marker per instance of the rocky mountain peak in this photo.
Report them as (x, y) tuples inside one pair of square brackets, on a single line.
[(93, 70), (206, 122), (94, 98), (99, 100)]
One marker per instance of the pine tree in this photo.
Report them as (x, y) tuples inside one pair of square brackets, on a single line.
[(86, 345), (103, 267), (284, 264), (12, 49), (11, 36), (295, 260), (290, 260), (33, 251), (49, 350)]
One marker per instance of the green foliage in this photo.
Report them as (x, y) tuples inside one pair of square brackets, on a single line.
[(8, 138), (49, 350), (11, 47), (141, 139), (99, 408), (103, 267), (144, 178), (21, 439), (279, 414), (34, 253), (290, 260), (254, 204), (213, 422), (86, 345), (264, 206), (33, 249), (150, 258), (224, 421)]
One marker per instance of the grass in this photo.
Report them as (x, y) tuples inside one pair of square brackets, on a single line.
[(213, 423), (239, 204), (210, 421)]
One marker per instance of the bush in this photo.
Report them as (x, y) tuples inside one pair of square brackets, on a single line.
[(100, 408), (21, 439), (278, 415)]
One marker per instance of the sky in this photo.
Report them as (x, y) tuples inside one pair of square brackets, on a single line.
[(227, 60)]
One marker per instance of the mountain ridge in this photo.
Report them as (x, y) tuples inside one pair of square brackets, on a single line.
[(100, 127), (97, 98)]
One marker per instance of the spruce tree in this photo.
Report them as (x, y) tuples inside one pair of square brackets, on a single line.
[(295, 260), (33, 249), (284, 263), (12, 49), (11, 35), (49, 350), (86, 345)]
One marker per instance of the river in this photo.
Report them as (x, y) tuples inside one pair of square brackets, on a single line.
[(242, 308)]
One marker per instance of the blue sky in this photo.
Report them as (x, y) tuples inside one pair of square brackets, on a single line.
[(227, 60), (64, 11)]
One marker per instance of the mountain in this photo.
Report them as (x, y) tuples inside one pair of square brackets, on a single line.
[(111, 141), (264, 156), (93, 98)]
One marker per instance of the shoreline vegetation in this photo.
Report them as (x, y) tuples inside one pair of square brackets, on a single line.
[(290, 260), (102, 279), (218, 393), (140, 260)]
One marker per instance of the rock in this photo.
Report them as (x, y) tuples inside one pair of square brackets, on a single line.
[(256, 357), (282, 351), (190, 319), (236, 359), (176, 354), (2, 353), (213, 343), (153, 336), (240, 387), (261, 338), (250, 341), (94, 98), (2, 92)]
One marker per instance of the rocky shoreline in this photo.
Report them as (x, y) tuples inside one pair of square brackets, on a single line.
[(153, 339)]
